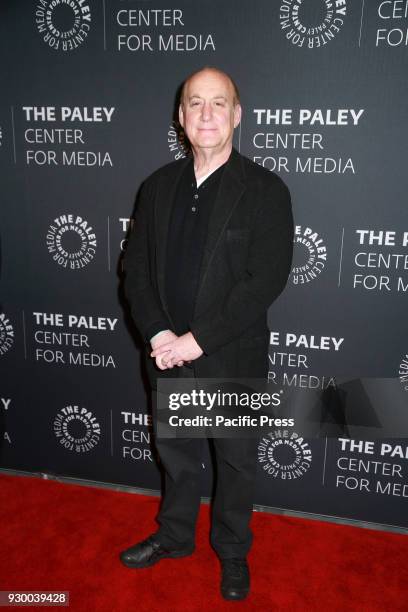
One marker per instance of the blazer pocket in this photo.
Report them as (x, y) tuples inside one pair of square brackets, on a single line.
[(237, 235), (237, 244)]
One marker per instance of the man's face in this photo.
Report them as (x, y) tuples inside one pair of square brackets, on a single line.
[(208, 114)]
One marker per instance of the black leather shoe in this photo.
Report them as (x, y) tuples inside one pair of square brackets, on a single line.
[(148, 552), (235, 578)]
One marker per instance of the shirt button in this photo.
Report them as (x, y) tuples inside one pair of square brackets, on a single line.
[(193, 208), (196, 197)]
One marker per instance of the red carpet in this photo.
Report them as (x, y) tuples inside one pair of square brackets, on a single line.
[(67, 537)]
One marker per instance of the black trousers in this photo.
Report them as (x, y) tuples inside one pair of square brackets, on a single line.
[(232, 505)]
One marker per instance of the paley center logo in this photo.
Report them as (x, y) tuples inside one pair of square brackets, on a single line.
[(176, 140), (77, 429), (310, 255), (284, 454), (311, 23), (63, 24), (71, 241), (6, 334), (403, 372)]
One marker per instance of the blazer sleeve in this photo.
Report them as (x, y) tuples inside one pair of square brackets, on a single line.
[(266, 274), (146, 310)]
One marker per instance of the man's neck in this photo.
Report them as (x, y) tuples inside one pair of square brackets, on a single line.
[(207, 161)]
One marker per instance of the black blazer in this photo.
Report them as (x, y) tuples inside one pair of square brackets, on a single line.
[(246, 264)]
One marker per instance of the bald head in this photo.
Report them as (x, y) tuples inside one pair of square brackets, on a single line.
[(210, 69)]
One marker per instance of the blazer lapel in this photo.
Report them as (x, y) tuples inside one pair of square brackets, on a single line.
[(232, 186)]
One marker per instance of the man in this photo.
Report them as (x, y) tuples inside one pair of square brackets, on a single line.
[(210, 250)]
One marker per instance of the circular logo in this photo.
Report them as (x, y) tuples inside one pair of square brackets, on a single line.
[(63, 24), (310, 255), (311, 23), (77, 429), (177, 141), (6, 334), (403, 372), (71, 242), (284, 454)]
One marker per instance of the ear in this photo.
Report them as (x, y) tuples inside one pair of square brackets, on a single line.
[(181, 115), (237, 115)]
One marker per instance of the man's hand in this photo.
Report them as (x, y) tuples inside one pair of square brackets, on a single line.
[(164, 338), (178, 349)]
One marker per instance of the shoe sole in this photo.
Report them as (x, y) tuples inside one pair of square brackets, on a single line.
[(170, 555)]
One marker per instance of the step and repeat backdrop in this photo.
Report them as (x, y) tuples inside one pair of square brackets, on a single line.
[(87, 112)]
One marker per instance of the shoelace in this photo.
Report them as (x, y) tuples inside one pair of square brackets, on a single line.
[(157, 550), (150, 542)]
